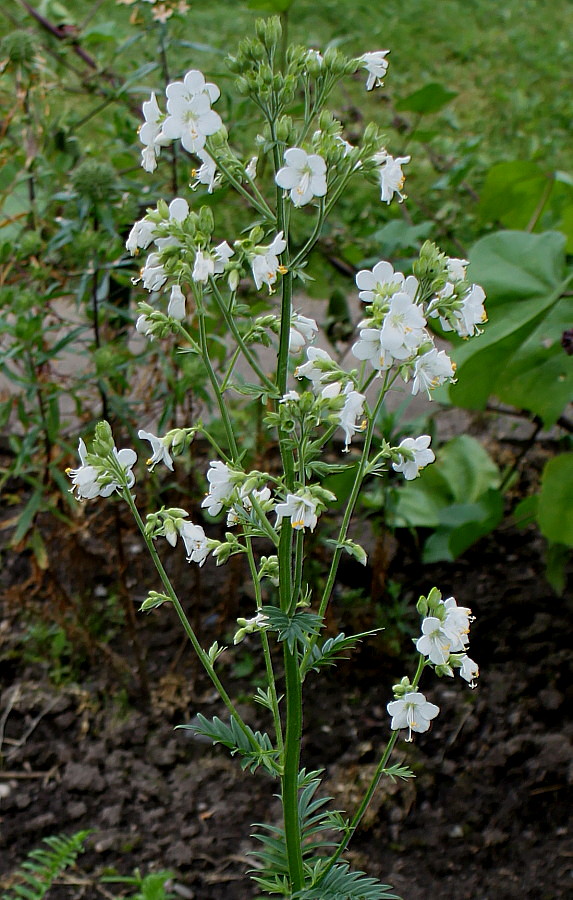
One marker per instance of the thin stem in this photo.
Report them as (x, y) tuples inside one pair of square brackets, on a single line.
[(230, 322), (228, 425), (374, 782), (293, 734), (360, 474), (271, 681), (169, 590), (257, 201)]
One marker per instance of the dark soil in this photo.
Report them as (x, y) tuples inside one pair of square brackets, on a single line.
[(485, 819)]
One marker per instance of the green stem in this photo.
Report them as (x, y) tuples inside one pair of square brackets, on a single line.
[(271, 681), (360, 474), (231, 324), (258, 201), (374, 782), (225, 417), (293, 734), (203, 657)]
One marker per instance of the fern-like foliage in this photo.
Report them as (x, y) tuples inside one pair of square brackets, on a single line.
[(43, 865), (256, 749), (341, 883), (332, 650), (293, 629), (273, 872)]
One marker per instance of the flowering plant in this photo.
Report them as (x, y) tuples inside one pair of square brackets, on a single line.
[(193, 274)]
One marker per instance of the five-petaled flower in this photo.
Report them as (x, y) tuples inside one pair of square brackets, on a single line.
[(300, 509), (382, 282), (159, 447), (265, 262), (304, 176), (412, 711), (221, 487), (89, 481), (302, 331), (469, 670), (434, 642), (390, 175), (190, 116), (150, 134), (196, 542), (418, 456), (376, 65), (431, 370)]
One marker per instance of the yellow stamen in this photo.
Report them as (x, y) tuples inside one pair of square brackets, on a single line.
[(282, 269)]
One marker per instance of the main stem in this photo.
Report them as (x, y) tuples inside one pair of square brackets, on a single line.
[(293, 682)]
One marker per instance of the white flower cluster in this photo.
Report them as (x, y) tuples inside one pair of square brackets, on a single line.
[(189, 118), (444, 639), (394, 333), (90, 481), (443, 642)]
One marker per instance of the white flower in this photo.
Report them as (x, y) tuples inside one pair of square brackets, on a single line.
[(315, 373), (457, 269), (176, 305), (144, 326), (434, 643), (431, 370), (221, 487), (190, 116), (302, 331), (382, 282), (304, 176), (85, 479), (290, 396), (245, 504), (472, 312), (390, 175), (150, 134), (300, 509), (251, 168), (469, 670), (196, 543), (265, 263), (140, 236), (223, 253), (203, 268), (370, 348), (206, 173), (457, 624), (403, 328), (153, 274), (352, 409), (422, 456), (413, 712), (376, 65), (257, 623), (159, 448)]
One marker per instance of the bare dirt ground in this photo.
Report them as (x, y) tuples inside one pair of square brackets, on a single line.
[(485, 819)]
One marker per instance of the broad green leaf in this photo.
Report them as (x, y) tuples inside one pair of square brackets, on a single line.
[(463, 525), (429, 99), (521, 194), (458, 496), (555, 510), (519, 357)]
